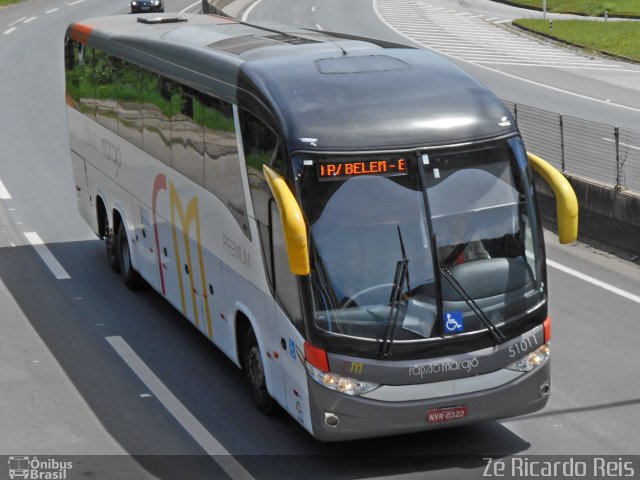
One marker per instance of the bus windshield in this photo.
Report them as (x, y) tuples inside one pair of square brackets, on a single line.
[(467, 213), (359, 224)]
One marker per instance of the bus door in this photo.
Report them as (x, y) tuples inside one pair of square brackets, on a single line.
[(288, 312)]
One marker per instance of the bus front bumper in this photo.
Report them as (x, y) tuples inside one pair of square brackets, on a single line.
[(337, 417)]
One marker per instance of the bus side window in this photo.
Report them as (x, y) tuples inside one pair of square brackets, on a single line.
[(187, 134), (262, 146), (156, 116), (129, 102), (80, 86), (72, 72), (222, 175), (105, 67)]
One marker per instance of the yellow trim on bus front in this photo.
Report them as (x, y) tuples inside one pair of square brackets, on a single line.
[(293, 225), (566, 201)]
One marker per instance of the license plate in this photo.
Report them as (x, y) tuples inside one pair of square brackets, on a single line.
[(438, 415)]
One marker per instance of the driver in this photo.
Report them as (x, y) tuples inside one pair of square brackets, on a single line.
[(460, 248)]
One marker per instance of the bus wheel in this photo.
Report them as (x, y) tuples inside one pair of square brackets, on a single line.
[(254, 371), (110, 245), (129, 275)]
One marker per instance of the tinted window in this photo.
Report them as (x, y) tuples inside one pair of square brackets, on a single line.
[(262, 147), (80, 88), (221, 161), (129, 103), (105, 70), (156, 114), (187, 134)]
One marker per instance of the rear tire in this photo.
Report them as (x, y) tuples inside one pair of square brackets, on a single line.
[(110, 245), (130, 277), (254, 372)]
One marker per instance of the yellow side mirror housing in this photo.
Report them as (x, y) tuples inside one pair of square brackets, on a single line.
[(293, 224), (566, 200)]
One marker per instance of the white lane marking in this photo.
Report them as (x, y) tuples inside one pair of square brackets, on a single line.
[(200, 434), (500, 72), (194, 4), (4, 193), (30, 19), (17, 21), (319, 27), (611, 140), (7, 32), (246, 13), (75, 3), (594, 281), (47, 257), (313, 9), (52, 10)]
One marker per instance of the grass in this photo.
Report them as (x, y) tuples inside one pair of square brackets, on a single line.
[(586, 7), (4, 3), (619, 38)]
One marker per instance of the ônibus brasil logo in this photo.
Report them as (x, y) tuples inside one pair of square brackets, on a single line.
[(38, 469)]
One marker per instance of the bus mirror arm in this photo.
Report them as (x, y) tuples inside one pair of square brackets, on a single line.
[(293, 225), (566, 200)]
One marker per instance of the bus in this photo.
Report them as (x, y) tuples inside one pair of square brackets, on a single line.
[(352, 222)]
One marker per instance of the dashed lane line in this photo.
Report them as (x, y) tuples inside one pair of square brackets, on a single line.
[(594, 281), (4, 193), (47, 257), (199, 433)]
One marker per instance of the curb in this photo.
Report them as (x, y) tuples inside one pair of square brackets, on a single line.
[(580, 14), (576, 45)]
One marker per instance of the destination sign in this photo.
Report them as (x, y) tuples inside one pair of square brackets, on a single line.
[(340, 170)]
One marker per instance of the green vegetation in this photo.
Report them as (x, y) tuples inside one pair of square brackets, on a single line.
[(614, 37), (587, 7), (4, 3)]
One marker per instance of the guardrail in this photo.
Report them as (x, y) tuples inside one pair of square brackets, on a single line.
[(602, 164), (603, 154)]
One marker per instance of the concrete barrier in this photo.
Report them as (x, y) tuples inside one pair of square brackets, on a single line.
[(609, 219)]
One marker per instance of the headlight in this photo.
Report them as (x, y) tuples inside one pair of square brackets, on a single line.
[(531, 360), (134, 3), (349, 386)]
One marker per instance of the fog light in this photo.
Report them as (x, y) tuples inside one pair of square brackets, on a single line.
[(545, 388), (330, 420)]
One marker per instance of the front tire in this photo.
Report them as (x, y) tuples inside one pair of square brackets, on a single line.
[(130, 277), (254, 372)]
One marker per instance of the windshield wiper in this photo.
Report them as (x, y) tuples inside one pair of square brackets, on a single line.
[(400, 278), (495, 332)]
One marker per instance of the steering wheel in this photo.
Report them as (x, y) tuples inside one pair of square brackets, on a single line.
[(352, 299)]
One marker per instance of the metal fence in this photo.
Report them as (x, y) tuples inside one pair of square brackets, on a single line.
[(601, 153)]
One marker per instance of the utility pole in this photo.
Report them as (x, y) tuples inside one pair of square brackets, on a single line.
[(544, 9)]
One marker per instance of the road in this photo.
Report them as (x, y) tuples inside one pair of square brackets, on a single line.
[(473, 34), (88, 367)]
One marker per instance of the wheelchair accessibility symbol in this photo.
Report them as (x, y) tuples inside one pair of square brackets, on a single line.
[(453, 322)]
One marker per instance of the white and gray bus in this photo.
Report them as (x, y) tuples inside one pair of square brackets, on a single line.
[(352, 222)]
